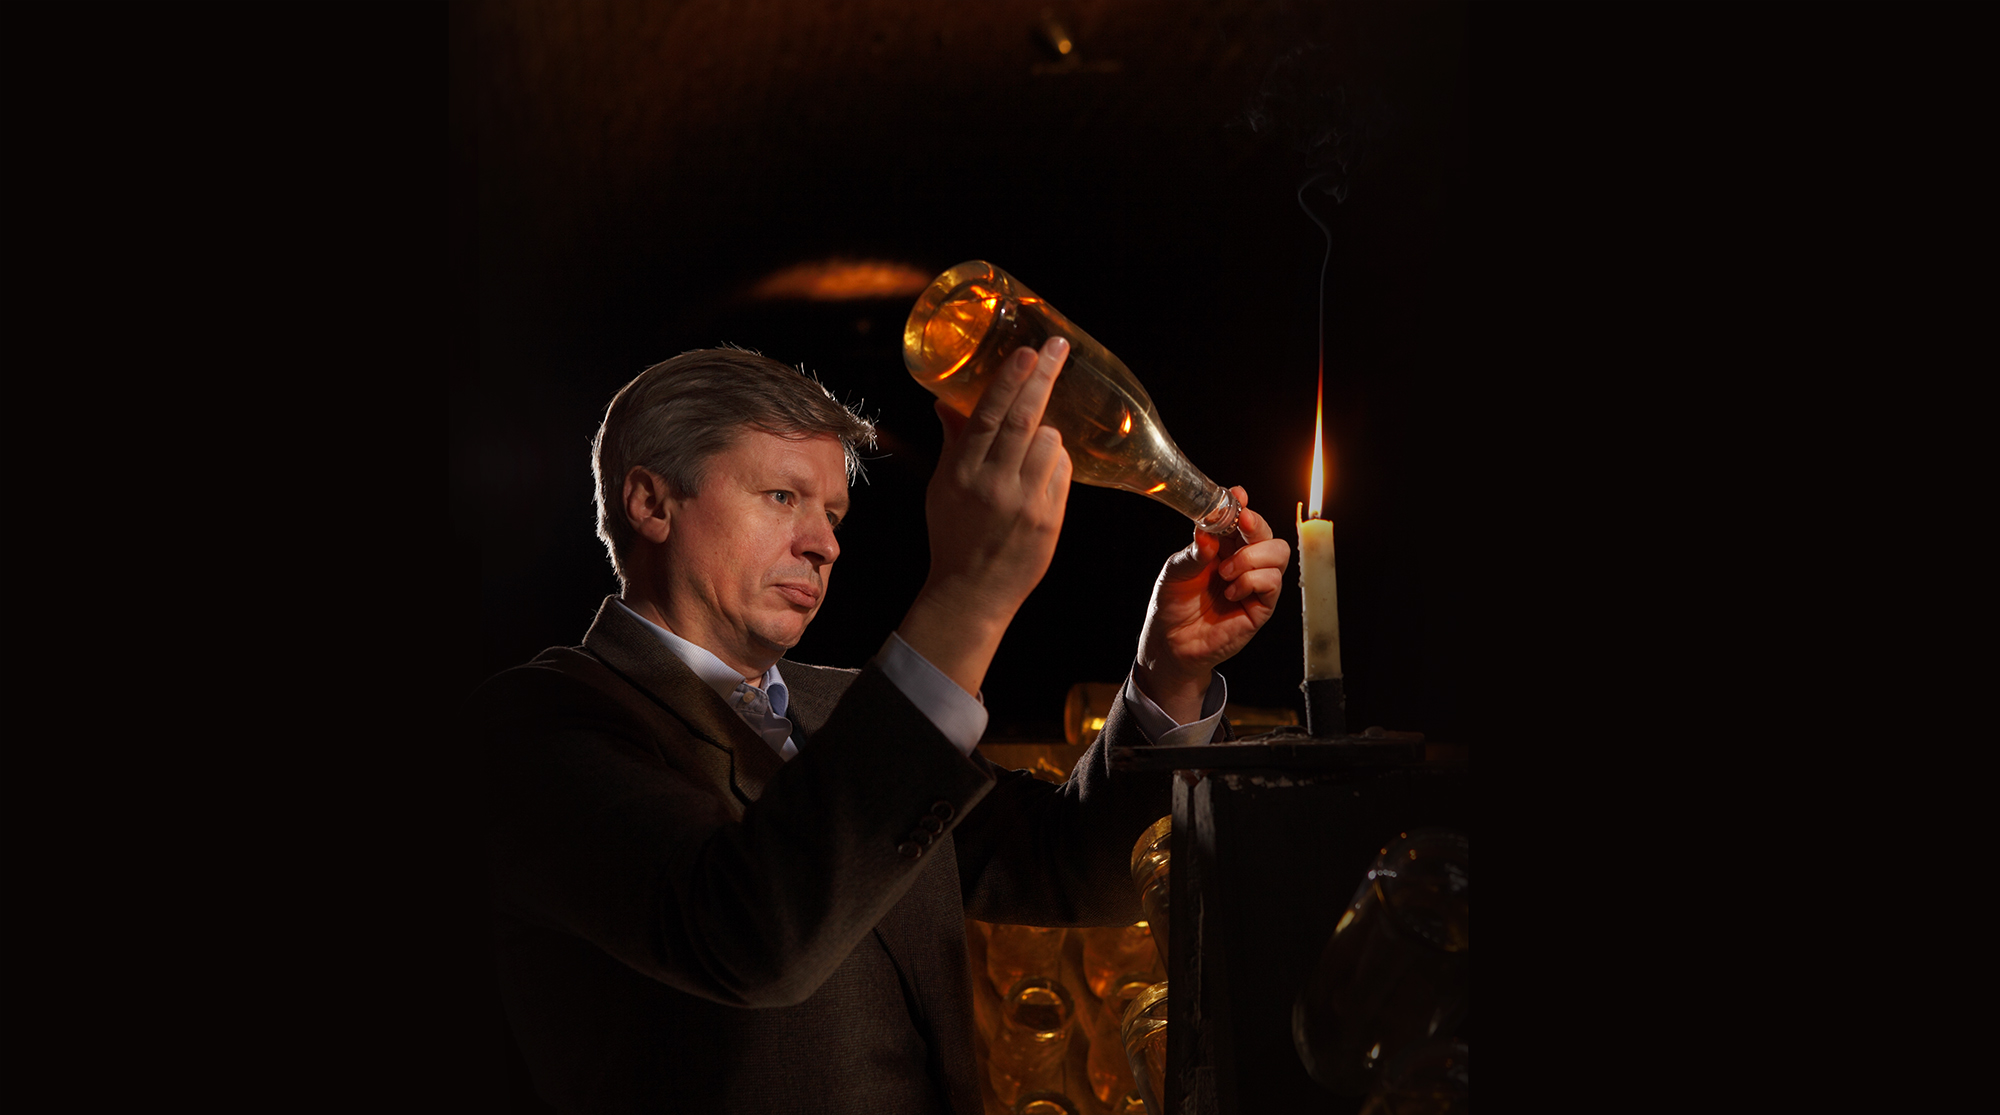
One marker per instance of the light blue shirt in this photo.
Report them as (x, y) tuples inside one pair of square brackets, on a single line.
[(958, 715)]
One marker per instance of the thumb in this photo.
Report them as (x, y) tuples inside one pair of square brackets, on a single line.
[(1189, 561)]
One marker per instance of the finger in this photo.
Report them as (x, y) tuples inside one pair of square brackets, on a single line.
[(987, 418), (1257, 582), (1057, 491), (1024, 417), (1271, 553), (1045, 454), (1254, 527), (1207, 549)]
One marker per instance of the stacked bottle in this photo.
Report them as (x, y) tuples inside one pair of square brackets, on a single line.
[(1144, 1034), (1025, 1057), (1014, 952), (1395, 974), (1149, 874), (1109, 984), (1430, 1079), (1119, 965)]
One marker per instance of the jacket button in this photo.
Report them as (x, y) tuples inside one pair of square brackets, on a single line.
[(930, 825), (943, 811), (909, 849), (922, 838)]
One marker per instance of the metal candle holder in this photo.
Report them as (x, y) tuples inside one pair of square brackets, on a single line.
[(1326, 707)]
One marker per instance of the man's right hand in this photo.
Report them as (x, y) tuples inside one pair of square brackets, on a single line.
[(995, 509)]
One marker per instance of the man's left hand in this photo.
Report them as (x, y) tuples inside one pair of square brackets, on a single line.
[(1210, 599)]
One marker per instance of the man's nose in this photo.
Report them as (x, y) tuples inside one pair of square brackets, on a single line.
[(818, 544)]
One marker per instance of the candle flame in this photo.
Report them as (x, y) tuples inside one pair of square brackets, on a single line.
[(1319, 446)]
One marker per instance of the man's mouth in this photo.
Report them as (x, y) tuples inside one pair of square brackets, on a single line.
[(803, 595)]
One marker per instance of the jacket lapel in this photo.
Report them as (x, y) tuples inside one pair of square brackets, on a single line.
[(815, 690), (623, 643)]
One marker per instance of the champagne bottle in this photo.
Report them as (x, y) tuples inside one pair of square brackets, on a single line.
[(1108, 1069), (1395, 973), (972, 317), (1149, 873), (1144, 1031), (1026, 1055), (1112, 952), (1017, 951)]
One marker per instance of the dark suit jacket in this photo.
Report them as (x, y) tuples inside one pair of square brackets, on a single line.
[(684, 922)]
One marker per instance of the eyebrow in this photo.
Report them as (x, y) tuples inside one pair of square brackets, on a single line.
[(792, 481)]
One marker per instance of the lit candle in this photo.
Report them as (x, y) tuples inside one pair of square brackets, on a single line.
[(1316, 580)]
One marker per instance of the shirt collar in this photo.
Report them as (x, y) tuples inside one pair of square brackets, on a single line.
[(718, 675)]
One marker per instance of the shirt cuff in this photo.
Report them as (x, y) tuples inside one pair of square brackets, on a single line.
[(1162, 729), (956, 713)]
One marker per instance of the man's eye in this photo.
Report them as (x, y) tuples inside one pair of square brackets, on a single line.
[(833, 520), (782, 497)]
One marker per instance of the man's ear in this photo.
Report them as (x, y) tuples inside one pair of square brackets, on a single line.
[(649, 505)]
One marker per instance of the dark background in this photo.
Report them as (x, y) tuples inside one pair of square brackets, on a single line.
[(637, 168)]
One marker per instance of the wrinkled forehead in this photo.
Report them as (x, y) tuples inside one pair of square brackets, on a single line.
[(814, 464)]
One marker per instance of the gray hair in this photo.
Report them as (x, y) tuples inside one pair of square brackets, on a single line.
[(678, 414)]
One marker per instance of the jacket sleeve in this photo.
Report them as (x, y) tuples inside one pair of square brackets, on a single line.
[(601, 829), (1036, 853)]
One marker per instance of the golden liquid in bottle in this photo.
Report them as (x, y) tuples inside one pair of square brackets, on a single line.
[(1026, 1055), (1115, 951), (1107, 1068), (1014, 952), (975, 315), (1150, 856), (1144, 1031)]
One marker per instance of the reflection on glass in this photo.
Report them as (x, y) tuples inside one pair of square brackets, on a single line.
[(1149, 874), (1107, 1068), (1430, 1079), (1045, 1103), (1145, 1037), (1085, 708), (1395, 973), (1015, 951), (973, 316), (1026, 1054), (1112, 952)]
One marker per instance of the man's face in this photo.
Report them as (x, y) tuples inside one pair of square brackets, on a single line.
[(747, 558)]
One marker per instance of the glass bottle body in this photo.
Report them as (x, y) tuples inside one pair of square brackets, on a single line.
[(1108, 1070), (1144, 1030), (1044, 1103), (1395, 973), (1117, 954), (1430, 1079), (1014, 952), (1026, 1054), (1150, 861), (975, 315)]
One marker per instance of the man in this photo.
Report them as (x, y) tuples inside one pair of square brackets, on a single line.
[(725, 886)]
